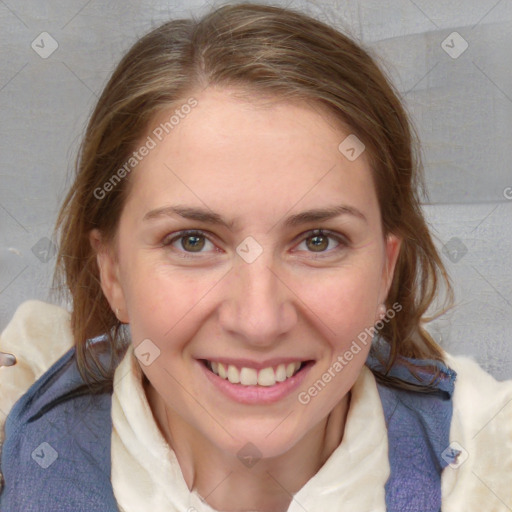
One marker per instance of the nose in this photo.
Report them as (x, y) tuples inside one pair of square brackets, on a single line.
[(259, 309)]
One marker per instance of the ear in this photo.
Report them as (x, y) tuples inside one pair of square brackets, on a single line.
[(109, 275), (392, 250)]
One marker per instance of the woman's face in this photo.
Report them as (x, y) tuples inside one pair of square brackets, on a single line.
[(252, 286)]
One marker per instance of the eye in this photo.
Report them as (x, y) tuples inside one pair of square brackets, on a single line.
[(320, 240), (191, 241)]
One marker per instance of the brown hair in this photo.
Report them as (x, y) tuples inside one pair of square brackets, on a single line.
[(265, 50)]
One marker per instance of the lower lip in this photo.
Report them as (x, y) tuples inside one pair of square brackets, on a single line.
[(257, 394)]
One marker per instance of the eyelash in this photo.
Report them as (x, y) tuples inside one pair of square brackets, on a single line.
[(343, 241)]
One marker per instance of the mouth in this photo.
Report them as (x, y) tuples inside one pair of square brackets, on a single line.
[(264, 377)]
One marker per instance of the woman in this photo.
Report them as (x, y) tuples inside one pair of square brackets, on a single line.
[(250, 270)]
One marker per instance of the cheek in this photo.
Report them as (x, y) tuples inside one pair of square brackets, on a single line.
[(345, 309), (165, 309), (164, 303), (344, 300)]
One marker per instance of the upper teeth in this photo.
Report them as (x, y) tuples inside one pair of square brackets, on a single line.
[(251, 377)]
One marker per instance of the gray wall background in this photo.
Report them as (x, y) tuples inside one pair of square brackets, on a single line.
[(460, 99)]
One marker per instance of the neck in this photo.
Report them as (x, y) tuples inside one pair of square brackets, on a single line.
[(269, 485)]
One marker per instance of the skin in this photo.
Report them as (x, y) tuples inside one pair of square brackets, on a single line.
[(256, 164)]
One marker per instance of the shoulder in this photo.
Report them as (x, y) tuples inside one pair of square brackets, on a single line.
[(471, 377), (481, 429), (58, 383), (481, 403), (57, 443), (467, 424), (38, 334)]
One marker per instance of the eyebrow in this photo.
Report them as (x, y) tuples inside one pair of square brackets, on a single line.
[(209, 217)]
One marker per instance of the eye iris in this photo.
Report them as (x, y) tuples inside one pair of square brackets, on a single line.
[(321, 245), (195, 246)]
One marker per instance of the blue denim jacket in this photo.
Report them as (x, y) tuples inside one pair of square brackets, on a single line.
[(56, 453)]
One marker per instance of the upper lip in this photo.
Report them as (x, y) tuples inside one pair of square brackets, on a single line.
[(257, 365)]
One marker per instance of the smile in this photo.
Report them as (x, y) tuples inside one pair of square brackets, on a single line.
[(268, 383), (251, 377)]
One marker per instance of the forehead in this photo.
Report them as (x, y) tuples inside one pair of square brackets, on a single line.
[(227, 150)]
